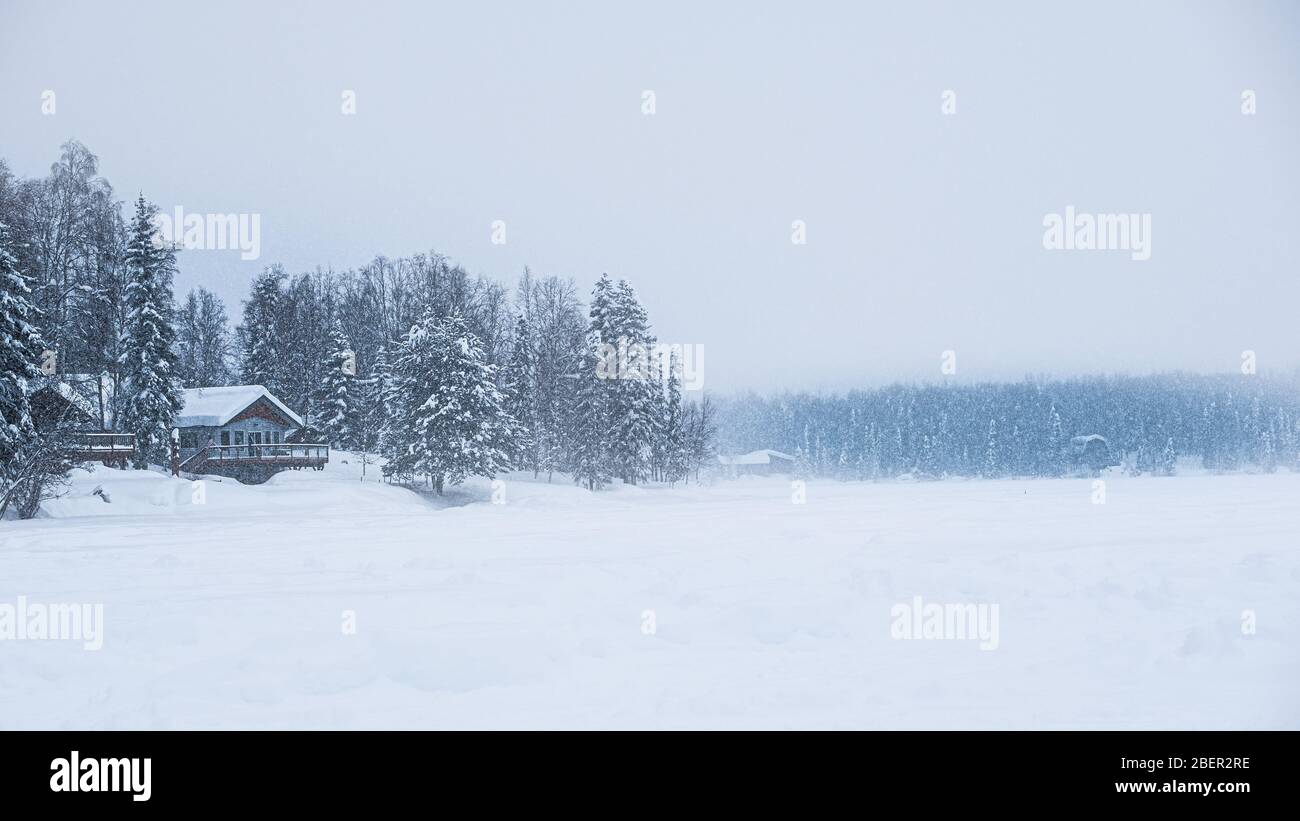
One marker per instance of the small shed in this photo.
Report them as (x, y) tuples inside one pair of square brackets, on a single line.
[(758, 463)]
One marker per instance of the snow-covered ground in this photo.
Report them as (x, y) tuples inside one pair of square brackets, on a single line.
[(766, 613)]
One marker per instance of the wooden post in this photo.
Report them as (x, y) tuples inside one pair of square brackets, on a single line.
[(176, 452)]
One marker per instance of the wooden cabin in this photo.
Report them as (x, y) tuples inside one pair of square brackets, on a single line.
[(244, 432), (78, 407), (757, 463)]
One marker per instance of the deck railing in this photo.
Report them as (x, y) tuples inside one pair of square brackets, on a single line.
[(101, 444), (260, 453)]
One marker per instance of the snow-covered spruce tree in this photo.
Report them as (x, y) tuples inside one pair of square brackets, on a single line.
[(1054, 455), (672, 431), (413, 381), (631, 400), (374, 389), (150, 388), (306, 323), (259, 340), (336, 404), (1167, 461), (20, 345), (31, 462), (657, 451), (992, 461), (588, 432), (450, 421), (519, 385)]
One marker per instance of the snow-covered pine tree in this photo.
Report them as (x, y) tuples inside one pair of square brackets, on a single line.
[(259, 333), (413, 382), (802, 469), (1167, 461), (659, 440), (597, 399), (673, 435), (336, 404), (24, 465), (20, 346), (450, 421), (632, 410), (1054, 455), (376, 389), (589, 430), (992, 458), (150, 388), (520, 390), (306, 324), (31, 462)]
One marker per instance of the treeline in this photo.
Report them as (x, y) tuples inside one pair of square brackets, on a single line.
[(1024, 429), (447, 376), (69, 240), (444, 374)]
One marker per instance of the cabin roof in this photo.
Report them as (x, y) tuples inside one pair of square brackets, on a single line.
[(70, 394), (214, 407), (1092, 437), (755, 457)]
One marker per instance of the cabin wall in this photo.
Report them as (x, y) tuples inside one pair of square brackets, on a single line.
[(773, 467)]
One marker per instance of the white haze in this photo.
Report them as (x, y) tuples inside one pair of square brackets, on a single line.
[(924, 231)]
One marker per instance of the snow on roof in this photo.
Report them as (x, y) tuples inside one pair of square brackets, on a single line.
[(214, 407), (756, 457), (1092, 437)]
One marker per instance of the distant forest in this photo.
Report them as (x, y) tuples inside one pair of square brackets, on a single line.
[(1230, 422)]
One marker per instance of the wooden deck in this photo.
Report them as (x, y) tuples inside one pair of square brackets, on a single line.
[(254, 462), (109, 448)]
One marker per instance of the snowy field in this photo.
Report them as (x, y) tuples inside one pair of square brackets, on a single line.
[(766, 613)]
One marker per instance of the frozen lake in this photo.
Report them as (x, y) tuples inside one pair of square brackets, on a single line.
[(318, 601)]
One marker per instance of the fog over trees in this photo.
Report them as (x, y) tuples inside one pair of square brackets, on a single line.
[(448, 375)]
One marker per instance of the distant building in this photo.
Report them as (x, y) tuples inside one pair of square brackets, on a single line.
[(757, 463), (1091, 452)]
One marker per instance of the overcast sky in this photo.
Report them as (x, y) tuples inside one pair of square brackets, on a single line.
[(924, 229)]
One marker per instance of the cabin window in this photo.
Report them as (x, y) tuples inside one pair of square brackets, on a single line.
[(239, 437), (225, 437), (275, 437)]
